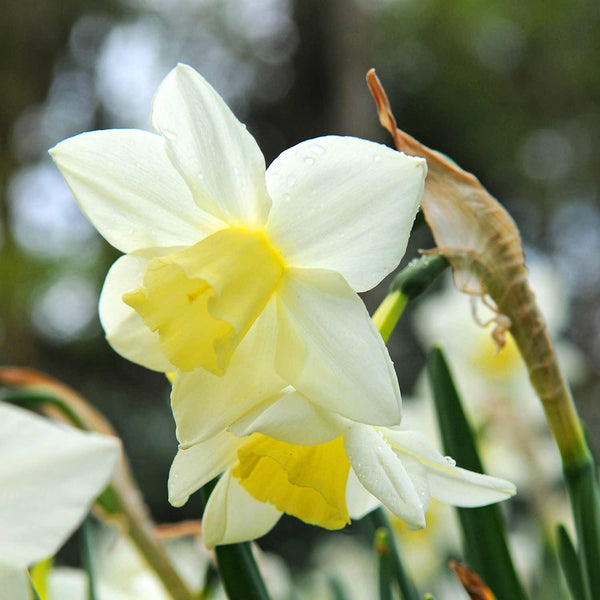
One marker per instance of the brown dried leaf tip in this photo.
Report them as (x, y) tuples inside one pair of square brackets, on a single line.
[(472, 583)]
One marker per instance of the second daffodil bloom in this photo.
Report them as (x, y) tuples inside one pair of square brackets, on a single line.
[(325, 483), (212, 239)]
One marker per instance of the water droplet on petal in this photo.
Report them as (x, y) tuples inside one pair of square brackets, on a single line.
[(450, 461), (291, 182), (309, 160), (376, 157), (317, 149)]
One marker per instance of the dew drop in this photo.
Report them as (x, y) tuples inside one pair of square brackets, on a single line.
[(291, 182), (450, 461), (236, 171), (309, 160), (376, 157), (317, 149), (200, 176)]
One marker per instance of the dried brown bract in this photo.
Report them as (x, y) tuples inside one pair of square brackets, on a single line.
[(472, 583), (482, 244)]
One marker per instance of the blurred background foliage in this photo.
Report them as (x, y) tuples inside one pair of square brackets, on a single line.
[(510, 90)]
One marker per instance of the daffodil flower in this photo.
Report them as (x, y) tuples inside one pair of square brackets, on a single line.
[(324, 484), (49, 477), (288, 454), (213, 240)]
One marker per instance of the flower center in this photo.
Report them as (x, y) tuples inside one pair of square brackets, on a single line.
[(203, 300), (308, 482)]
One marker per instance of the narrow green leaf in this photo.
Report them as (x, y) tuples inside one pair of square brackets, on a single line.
[(88, 557), (238, 569), (569, 561), (485, 542), (408, 591)]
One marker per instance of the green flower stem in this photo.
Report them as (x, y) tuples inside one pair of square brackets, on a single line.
[(582, 485), (386, 563), (389, 312), (409, 283), (531, 336), (237, 567), (121, 499), (393, 561)]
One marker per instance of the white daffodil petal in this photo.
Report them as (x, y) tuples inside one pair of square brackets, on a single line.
[(124, 328), (194, 466), (14, 584), (218, 158), (49, 476), (130, 191), (344, 204), (232, 515), (381, 472), (292, 419), (330, 350), (204, 404), (447, 482), (360, 501)]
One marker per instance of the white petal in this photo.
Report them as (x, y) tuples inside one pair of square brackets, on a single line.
[(124, 328), (130, 191), (204, 404), (218, 158), (344, 204), (14, 584), (360, 501), (194, 466), (292, 419), (330, 350), (232, 515), (382, 474), (69, 583), (49, 477), (447, 483)]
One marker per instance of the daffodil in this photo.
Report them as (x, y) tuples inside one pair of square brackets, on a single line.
[(213, 241), (290, 455), (49, 477)]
